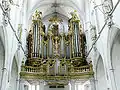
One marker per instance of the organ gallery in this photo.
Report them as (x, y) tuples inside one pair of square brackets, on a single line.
[(54, 55)]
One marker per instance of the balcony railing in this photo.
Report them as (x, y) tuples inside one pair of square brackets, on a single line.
[(30, 69), (43, 72)]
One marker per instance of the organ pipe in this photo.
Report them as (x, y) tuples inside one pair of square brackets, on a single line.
[(54, 43)]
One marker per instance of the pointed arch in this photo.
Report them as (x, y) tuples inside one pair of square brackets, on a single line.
[(100, 75), (114, 55), (13, 81)]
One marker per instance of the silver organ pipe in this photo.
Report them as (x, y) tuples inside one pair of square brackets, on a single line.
[(33, 40), (40, 40), (62, 47), (45, 48), (68, 51), (36, 43), (50, 46), (40, 47), (67, 47), (36, 40), (76, 39)]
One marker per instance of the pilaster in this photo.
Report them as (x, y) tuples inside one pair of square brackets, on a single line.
[(21, 84), (4, 79), (92, 83)]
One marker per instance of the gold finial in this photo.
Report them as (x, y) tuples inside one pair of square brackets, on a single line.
[(74, 15), (75, 11), (37, 15)]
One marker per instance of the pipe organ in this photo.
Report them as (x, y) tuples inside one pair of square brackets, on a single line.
[(54, 54)]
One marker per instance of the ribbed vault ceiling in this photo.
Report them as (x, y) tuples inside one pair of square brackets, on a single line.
[(59, 7)]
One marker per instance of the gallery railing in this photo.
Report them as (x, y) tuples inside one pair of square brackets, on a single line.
[(43, 72)]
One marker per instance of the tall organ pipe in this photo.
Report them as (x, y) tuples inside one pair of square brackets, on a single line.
[(34, 33), (40, 47), (50, 52), (36, 48), (45, 48), (35, 39), (68, 51), (62, 47), (76, 39)]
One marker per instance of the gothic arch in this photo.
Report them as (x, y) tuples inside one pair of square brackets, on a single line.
[(115, 57), (100, 75), (112, 34), (13, 81)]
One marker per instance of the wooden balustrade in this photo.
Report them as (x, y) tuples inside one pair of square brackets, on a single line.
[(81, 69), (43, 73), (30, 69)]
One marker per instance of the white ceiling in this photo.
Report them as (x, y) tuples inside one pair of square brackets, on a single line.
[(62, 7)]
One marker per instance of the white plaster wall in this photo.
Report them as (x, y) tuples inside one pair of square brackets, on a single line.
[(96, 17), (11, 46)]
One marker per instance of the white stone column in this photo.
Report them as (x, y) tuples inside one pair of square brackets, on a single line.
[(92, 83), (35, 87), (4, 79), (21, 84), (87, 87), (26, 87), (69, 84), (17, 83), (41, 85), (72, 85), (31, 87), (111, 76), (76, 86), (112, 79), (67, 87)]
